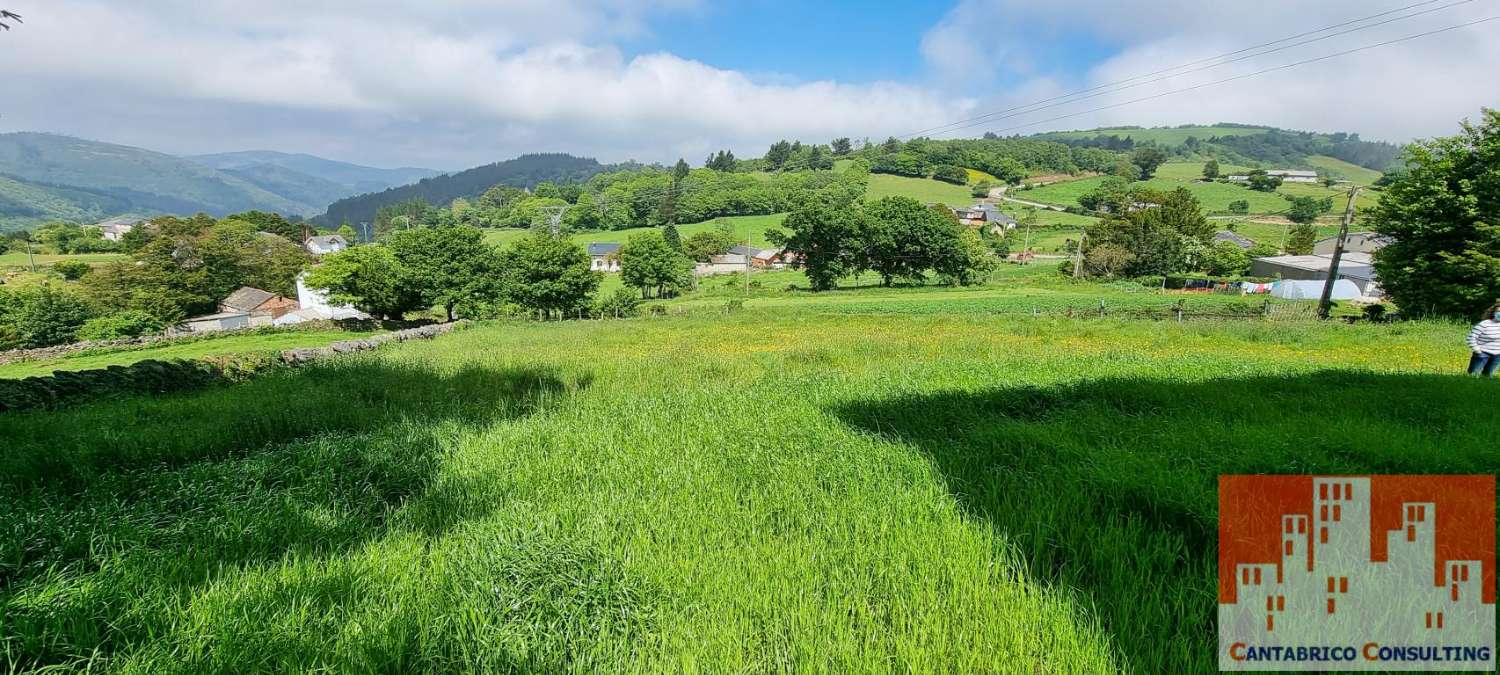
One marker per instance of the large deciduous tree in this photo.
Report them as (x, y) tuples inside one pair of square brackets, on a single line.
[(370, 278), (1443, 217), (548, 274), (1157, 234), (452, 266), (827, 239), (651, 264)]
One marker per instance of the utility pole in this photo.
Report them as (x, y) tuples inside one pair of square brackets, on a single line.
[(29, 258), (747, 263), (1078, 261), (1338, 254), (554, 218)]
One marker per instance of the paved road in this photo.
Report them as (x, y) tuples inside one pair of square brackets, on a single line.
[(999, 193)]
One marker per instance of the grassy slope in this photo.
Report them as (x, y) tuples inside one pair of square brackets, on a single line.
[(1342, 169), (782, 489), (1215, 197), (924, 190), (17, 259), (221, 346), (753, 226)]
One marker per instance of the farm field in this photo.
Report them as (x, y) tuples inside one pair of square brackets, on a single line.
[(787, 487), (197, 349), (924, 190), (1271, 233), (17, 259), (1215, 197), (1342, 169), (753, 226)]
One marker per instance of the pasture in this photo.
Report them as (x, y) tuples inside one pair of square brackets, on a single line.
[(859, 481), (924, 190), (17, 259), (221, 345), (752, 226), (1164, 136)]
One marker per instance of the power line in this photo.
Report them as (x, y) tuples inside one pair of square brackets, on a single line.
[(1018, 110), (1239, 77)]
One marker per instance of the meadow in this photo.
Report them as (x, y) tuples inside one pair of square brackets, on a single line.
[(924, 190), (224, 345), (807, 483), (18, 259), (753, 227), (1164, 136)]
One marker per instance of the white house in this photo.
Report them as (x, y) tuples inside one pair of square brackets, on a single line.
[(325, 244), (115, 229), (731, 263), (604, 257), (216, 322), (1289, 176), (314, 305)]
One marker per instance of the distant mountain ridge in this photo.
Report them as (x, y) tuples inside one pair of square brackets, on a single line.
[(45, 177), (525, 171), (356, 177)]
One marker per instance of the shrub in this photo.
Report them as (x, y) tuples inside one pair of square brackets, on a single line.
[(623, 302), (42, 316), (72, 270), (951, 174), (1239, 206), (127, 324)]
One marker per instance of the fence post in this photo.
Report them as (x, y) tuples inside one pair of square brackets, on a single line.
[(1101, 307)]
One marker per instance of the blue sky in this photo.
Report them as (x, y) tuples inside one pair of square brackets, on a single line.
[(455, 83)]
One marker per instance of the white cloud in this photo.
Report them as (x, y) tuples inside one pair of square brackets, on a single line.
[(494, 79), (1412, 89)]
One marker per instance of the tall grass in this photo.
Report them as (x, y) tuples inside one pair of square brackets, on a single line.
[(775, 490)]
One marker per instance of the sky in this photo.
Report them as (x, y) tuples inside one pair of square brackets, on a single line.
[(450, 84)]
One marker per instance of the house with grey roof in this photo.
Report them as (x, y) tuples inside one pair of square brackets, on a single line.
[(263, 307), (325, 244), (1234, 238), (604, 257), (1355, 267), (115, 229)]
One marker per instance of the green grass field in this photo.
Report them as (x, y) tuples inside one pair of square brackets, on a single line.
[(1340, 169), (861, 481), (196, 349), (924, 190), (1214, 197), (17, 259)]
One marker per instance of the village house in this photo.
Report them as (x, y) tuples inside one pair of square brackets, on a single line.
[(729, 263), (1354, 267), (604, 257), (314, 305), (1356, 242), (115, 229), (1286, 176), (325, 244), (210, 323), (262, 306)]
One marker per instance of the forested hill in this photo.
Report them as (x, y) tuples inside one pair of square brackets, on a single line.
[(525, 171), (1239, 143)]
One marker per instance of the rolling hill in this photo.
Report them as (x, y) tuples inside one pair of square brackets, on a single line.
[(45, 177), (522, 172), (1244, 144)]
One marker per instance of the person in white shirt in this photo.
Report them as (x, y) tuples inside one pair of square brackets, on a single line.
[(1484, 342)]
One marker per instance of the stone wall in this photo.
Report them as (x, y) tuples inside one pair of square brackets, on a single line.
[(157, 377), (18, 355)]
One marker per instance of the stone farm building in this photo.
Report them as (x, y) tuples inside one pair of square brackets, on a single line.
[(325, 244), (604, 257)]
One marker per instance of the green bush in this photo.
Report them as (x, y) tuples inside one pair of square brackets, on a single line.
[(951, 174), (42, 316), (127, 324), (623, 302), (72, 270)]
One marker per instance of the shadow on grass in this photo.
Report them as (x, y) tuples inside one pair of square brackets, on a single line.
[(120, 509), (1108, 487)]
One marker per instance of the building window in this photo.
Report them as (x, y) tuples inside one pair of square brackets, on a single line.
[(1336, 513), (1330, 605), (1323, 535), (1288, 547)]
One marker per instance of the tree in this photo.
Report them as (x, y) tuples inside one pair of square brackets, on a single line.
[(1112, 195), (72, 270), (273, 223), (1126, 169), (1211, 169), (1442, 214), (1305, 210), (1148, 158), (347, 232), (370, 278), (818, 159), (972, 260), (827, 240), (1260, 181), (777, 156), (1301, 238), (42, 316), (951, 174), (1161, 239), (722, 160), (1239, 206), (667, 211), (1225, 259), (702, 245), (842, 146), (450, 267), (648, 262), (981, 189), (548, 274), (127, 324), (905, 239)]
